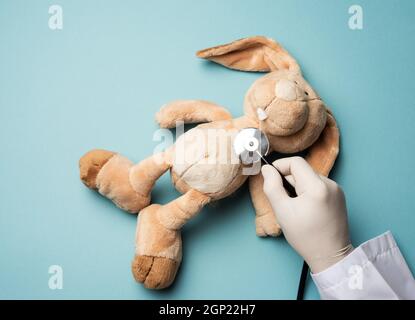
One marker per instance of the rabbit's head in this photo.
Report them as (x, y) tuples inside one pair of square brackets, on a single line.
[(283, 104)]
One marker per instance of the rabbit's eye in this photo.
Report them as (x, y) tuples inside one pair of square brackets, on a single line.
[(295, 82), (306, 93)]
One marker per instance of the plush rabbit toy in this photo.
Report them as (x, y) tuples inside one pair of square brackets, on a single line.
[(281, 104)]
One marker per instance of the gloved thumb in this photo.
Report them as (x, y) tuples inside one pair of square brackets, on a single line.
[(273, 186)]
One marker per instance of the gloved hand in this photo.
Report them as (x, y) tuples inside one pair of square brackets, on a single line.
[(315, 222)]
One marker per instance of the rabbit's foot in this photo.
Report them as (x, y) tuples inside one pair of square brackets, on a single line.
[(154, 272), (91, 164), (158, 250), (109, 174)]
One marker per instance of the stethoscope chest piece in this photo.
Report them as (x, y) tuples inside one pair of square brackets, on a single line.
[(250, 145)]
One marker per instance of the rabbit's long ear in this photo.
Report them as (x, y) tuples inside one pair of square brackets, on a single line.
[(258, 54), (323, 153)]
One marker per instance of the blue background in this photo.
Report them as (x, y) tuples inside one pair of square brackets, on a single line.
[(99, 82)]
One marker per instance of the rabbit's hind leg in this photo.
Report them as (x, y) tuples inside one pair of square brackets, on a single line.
[(117, 178), (158, 239)]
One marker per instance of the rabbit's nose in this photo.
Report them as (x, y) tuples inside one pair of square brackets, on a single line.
[(286, 90)]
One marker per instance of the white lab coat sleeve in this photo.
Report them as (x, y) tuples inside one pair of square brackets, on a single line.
[(374, 270)]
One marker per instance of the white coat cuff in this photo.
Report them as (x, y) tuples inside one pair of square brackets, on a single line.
[(342, 270), (374, 270)]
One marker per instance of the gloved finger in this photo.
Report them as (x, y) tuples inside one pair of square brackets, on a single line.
[(273, 186), (328, 181), (303, 174)]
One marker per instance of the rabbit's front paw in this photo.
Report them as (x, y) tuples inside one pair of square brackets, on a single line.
[(267, 225)]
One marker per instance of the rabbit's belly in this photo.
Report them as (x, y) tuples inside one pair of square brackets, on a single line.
[(205, 161)]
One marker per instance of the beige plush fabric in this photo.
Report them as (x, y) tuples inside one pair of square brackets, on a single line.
[(190, 111), (158, 238), (281, 104), (205, 163), (251, 54)]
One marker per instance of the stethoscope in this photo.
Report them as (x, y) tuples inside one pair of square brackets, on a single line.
[(251, 145)]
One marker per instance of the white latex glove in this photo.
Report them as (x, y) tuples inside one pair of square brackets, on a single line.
[(315, 222)]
